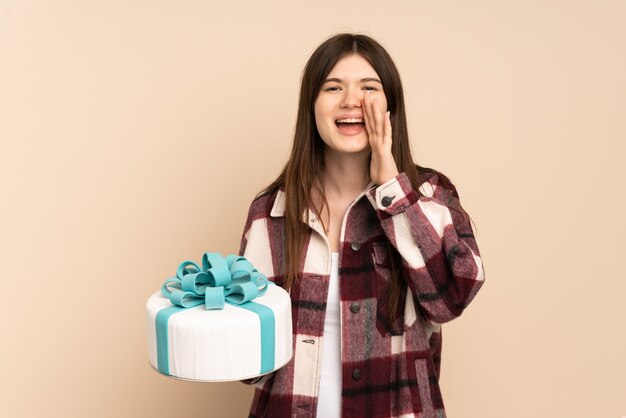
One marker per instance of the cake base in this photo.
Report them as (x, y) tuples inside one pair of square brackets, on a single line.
[(220, 345)]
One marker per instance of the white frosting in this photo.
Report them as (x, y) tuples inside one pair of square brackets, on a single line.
[(222, 344)]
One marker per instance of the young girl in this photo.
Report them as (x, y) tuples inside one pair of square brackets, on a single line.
[(375, 250)]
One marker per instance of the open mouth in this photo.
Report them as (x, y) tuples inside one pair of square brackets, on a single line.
[(350, 126), (349, 121)]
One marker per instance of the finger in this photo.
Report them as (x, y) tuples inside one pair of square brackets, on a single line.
[(388, 131), (366, 119), (378, 118), (367, 112)]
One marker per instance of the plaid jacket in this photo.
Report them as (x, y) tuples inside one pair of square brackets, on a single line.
[(390, 366)]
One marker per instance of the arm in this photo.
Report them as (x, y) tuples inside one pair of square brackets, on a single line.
[(440, 258)]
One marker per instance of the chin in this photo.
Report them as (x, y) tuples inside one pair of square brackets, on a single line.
[(356, 149), (357, 144)]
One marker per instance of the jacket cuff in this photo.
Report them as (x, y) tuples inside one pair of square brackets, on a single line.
[(393, 196)]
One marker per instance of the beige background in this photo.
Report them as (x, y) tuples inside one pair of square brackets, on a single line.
[(134, 135)]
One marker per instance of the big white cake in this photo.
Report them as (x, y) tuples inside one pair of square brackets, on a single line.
[(220, 345), (240, 341)]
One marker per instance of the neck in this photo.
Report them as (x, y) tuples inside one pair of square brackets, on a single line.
[(346, 175)]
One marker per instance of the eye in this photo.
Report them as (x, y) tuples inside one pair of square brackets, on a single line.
[(333, 88), (370, 88)]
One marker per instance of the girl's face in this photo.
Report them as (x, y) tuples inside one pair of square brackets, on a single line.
[(339, 105)]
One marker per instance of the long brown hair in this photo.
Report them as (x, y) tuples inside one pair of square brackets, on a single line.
[(300, 176)]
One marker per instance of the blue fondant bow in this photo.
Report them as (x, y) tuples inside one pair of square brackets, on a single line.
[(232, 278)]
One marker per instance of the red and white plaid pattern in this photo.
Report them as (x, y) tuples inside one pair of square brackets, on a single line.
[(390, 366)]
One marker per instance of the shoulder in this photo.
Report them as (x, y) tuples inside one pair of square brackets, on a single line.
[(261, 205), (431, 180)]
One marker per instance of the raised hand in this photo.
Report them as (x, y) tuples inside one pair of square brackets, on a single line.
[(378, 127)]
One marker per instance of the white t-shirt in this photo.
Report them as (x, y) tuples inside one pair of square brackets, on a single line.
[(329, 402)]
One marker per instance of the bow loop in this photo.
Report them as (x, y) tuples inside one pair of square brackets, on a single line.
[(260, 280), (169, 284), (242, 293), (195, 282), (187, 267), (185, 299)]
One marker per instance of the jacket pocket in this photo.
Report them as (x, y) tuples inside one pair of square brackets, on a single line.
[(384, 271)]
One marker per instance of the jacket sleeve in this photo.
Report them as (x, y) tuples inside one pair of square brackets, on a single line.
[(432, 233)]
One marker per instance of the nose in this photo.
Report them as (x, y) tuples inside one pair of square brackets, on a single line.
[(352, 97)]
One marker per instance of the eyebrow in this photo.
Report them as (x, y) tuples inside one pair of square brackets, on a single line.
[(363, 80)]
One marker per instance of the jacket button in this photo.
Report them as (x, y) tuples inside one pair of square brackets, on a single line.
[(355, 246), (356, 374), (386, 201), (355, 307)]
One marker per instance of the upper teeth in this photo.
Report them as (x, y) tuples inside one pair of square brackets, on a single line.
[(350, 120)]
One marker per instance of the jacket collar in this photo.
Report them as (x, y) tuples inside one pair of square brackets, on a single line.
[(278, 209)]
